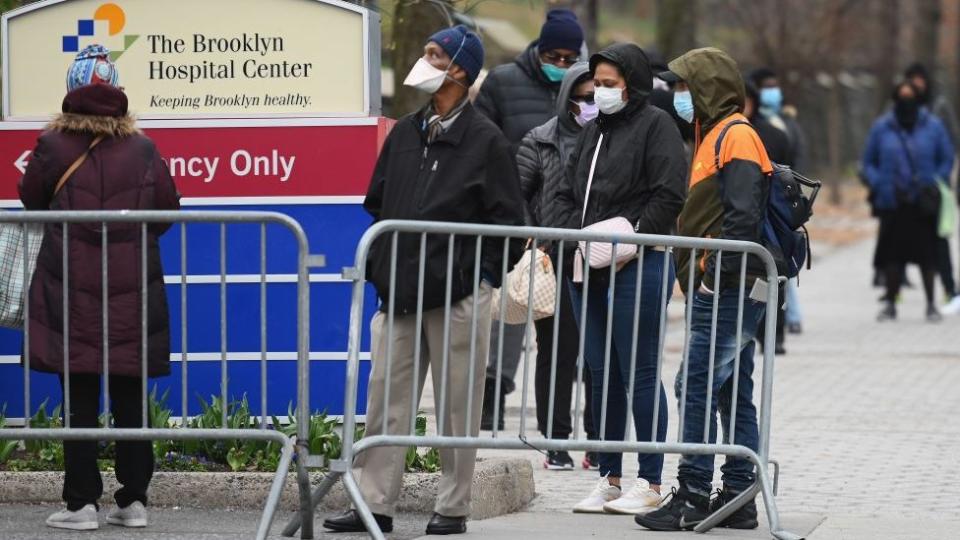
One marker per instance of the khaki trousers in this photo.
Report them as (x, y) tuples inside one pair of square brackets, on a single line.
[(379, 471)]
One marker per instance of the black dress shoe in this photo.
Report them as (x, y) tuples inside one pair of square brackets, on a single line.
[(447, 525), (349, 521)]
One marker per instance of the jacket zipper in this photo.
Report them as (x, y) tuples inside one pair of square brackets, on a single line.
[(429, 177)]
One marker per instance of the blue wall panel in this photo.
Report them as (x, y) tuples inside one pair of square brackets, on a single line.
[(333, 230)]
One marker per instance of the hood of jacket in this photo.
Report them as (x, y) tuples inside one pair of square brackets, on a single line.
[(569, 82), (635, 67), (715, 84), (97, 109), (567, 128)]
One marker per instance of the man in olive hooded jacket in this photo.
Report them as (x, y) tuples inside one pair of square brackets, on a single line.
[(727, 199)]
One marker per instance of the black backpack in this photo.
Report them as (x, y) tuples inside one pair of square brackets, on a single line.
[(789, 208)]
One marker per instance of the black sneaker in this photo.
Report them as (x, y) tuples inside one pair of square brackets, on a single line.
[(591, 461), (888, 313), (744, 518), (558, 461), (933, 314), (683, 511)]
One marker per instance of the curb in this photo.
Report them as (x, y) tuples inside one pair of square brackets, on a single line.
[(500, 486)]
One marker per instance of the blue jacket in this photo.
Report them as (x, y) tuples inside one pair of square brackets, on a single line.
[(887, 164)]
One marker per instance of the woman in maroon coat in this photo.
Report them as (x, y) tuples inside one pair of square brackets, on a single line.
[(123, 171)]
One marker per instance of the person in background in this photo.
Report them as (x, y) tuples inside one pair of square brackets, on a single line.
[(661, 96), (771, 107), (730, 204), (777, 144), (935, 102), (940, 107), (632, 158), (906, 151), (444, 162), (92, 157), (541, 159), (518, 97)]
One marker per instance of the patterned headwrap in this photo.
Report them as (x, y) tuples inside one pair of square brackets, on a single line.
[(92, 66)]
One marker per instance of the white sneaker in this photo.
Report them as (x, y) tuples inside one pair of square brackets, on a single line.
[(84, 519), (952, 307), (134, 515), (601, 495), (639, 500)]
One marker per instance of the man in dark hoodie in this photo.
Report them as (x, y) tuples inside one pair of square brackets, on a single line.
[(540, 160), (518, 97), (728, 203)]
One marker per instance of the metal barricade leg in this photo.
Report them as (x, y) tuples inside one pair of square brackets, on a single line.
[(762, 486), (306, 500), (276, 488), (353, 491), (315, 498)]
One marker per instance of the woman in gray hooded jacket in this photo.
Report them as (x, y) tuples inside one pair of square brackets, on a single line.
[(541, 159)]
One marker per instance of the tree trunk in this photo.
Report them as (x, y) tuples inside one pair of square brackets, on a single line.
[(949, 53), (926, 36), (888, 62), (835, 118), (676, 27), (414, 21)]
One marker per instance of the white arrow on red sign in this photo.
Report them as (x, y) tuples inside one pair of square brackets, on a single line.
[(21, 162)]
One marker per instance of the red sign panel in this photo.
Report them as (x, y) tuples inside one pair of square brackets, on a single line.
[(249, 161)]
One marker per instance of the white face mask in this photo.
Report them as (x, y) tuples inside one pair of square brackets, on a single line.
[(425, 77), (610, 100)]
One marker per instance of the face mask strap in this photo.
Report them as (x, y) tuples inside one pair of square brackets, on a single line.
[(446, 72)]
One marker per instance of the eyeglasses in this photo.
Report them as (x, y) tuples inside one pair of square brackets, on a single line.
[(555, 58), (586, 98)]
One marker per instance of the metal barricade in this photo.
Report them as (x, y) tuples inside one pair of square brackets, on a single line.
[(482, 238), (101, 224)]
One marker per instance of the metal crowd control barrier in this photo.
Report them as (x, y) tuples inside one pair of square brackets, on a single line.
[(452, 234), (100, 223)]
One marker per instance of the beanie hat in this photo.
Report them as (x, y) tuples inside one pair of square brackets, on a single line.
[(92, 65), (560, 31), (464, 47)]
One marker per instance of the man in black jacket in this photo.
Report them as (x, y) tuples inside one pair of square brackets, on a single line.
[(522, 95), (518, 97), (443, 163)]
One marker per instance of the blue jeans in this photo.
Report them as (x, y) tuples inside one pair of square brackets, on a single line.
[(794, 315), (696, 472), (648, 344)]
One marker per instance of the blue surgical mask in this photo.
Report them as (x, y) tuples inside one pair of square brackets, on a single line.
[(683, 103), (553, 73), (771, 100)]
